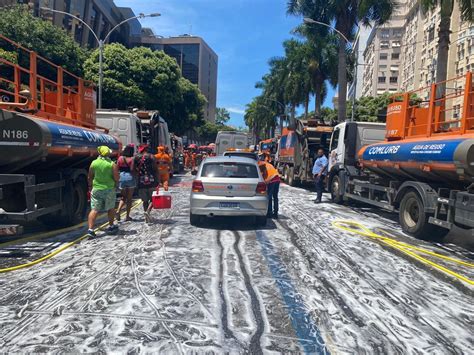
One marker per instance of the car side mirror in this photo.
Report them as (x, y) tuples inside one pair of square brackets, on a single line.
[(194, 172)]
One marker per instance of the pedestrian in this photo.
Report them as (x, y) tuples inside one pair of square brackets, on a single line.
[(103, 179), (164, 167), (319, 173), (272, 179), (127, 181), (147, 178)]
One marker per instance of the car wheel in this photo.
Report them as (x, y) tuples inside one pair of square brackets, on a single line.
[(194, 220), (261, 221)]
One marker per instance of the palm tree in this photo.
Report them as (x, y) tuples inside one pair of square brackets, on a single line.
[(345, 14), (446, 7)]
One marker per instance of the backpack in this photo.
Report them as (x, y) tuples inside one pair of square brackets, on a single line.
[(146, 176)]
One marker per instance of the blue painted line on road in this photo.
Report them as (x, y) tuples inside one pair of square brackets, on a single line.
[(304, 326)]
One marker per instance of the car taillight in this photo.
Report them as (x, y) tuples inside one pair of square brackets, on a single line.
[(261, 188), (198, 186)]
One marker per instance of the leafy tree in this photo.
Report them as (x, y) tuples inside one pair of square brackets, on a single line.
[(259, 117), (49, 41), (446, 7), (208, 131), (141, 77), (222, 116), (345, 14)]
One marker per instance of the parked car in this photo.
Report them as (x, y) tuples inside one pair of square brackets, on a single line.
[(228, 186)]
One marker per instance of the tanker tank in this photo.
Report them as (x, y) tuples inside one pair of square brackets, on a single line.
[(444, 160), (36, 144)]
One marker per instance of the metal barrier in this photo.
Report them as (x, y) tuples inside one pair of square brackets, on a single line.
[(39, 87)]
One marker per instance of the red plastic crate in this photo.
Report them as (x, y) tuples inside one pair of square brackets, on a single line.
[(160, 200)]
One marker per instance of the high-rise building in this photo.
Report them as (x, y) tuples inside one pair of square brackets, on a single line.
[(100, 15), (198, 63), (359, 46), (382, 56)]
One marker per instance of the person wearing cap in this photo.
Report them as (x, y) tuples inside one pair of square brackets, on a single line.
[(164, 167), (147, 178), (103, 178), (272, 179)]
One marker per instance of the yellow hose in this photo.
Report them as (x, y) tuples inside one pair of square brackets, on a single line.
[(62, 248), (407, 249)]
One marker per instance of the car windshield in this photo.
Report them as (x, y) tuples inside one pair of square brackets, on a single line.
[(229, 170)]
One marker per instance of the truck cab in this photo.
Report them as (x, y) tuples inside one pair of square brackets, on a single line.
[(122, 124)]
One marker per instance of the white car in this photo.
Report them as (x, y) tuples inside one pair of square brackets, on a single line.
[(228, 186)]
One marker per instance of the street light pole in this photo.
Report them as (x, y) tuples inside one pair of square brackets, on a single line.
[(101, 42)]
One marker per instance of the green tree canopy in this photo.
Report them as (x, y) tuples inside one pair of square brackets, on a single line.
[(222, 116), (143, 78), (49, 41)]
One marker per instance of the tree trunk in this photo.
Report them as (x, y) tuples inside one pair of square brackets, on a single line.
[(318, 88), (342, 80), (306, 106), (443, 45)]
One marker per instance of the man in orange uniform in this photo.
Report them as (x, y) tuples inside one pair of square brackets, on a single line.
[(163, 160), (272, 179), (187, 159)]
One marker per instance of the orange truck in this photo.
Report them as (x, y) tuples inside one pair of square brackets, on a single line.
[(297, 150), (420, 163), (48, 138)]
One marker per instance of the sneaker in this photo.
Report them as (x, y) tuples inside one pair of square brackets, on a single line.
[(112, 229), (117, 217), (91, 233), (129, 219)]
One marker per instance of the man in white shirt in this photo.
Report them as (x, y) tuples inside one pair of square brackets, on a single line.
[(320, 168)]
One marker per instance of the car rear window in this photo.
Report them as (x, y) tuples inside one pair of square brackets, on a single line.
[(229, 170), (243, 155)]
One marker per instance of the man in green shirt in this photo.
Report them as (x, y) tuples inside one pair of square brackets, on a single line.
[(103, 179)]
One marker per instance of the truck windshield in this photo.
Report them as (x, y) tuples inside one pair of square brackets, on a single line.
[(229, 170)]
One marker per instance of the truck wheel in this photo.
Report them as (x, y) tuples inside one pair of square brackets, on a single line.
[(291, 176), (414, 219), (336, 189), (76, 202)]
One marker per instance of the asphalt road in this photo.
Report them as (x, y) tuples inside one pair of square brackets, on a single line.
[(301, 284)]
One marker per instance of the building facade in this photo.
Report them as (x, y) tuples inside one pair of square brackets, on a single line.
[(382, 56), (198, 63), (100, 15), (360, 44)]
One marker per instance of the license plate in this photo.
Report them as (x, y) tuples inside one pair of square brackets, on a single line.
[(229, 205)]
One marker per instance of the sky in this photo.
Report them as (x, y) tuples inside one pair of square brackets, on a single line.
[(245, 34)]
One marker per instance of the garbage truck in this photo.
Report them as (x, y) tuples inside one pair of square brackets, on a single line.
[(48, 138), (419, 163)]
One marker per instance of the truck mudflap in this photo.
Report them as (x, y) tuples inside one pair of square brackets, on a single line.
[(464, 206), (454, 207)]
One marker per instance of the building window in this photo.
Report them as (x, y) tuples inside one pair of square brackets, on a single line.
[(383, 56), (431, 34), (383, 66), (384, 44), (393, 80), (395, 56), (382, 79), (396, 44), (385, 34)]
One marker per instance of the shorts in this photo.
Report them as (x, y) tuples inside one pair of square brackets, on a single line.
[(103, 200), (126, 180), (145, 193)]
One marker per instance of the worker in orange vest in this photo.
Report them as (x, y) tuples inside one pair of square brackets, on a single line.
[(163, 160), (187, 159), (272, 179), (194, 158)]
